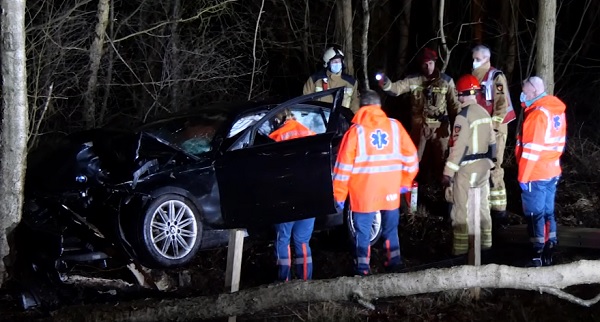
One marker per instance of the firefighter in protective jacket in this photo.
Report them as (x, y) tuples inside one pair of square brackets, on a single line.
[(333, 77), (540, 143), (495, 98), (376, 163), (467, 171), (434, 106), (287, 128)]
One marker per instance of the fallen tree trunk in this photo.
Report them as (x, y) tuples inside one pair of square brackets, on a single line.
[(544, 279)]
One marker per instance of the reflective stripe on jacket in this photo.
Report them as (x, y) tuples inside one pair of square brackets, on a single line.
[(291, 129), (541, 140), (325, 79), (433, 99), (376, 158), (473, 141)]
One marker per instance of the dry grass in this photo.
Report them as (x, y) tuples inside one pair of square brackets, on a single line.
[(455, 305), (494, 305)]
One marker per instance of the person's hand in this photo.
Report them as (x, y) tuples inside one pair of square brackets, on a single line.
[(446, 181), (404, 190), (382, 79), (524, 186), (339, 205)]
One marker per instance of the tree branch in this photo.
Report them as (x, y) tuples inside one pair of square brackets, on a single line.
[(444, 58), (362, 289), (569, 297), (365, 41), (211, 9), (262, 5)]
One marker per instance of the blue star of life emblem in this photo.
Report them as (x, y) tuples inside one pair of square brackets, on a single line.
[(379, 139), (556, 120)]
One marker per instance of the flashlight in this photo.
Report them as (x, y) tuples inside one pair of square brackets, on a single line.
[(378, 76)]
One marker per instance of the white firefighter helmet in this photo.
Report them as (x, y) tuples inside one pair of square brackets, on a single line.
[(331, 53)]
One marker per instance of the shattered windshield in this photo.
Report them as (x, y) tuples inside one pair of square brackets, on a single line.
[(192, 134)]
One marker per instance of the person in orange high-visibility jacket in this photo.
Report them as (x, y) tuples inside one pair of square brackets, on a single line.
[(377, 162), (291, 129), (288, 128), (540, 143)]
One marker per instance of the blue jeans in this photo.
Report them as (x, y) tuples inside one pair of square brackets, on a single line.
[(362, 224), (300, 231), (538, 208)]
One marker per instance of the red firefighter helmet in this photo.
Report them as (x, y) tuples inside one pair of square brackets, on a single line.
[(467, 85)]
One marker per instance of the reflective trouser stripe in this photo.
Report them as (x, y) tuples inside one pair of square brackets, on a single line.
[(304, 260), (390, 254), (466, 200), (305, 264), (498, 199), (537, 239), (285, 265), (363, 260), (486, 238), (284, 261), (461, 243)]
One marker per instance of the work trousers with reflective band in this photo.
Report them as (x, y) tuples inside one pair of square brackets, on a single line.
[(538, 207), (463, 208), (389, 232), (497, 188), (431, 141), (300, 231)]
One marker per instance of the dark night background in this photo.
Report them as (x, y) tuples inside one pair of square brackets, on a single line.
[(215, 52)]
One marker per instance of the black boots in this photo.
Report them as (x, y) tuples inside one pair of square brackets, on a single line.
[(547, 254), (536, 259), (499, 219), (543, 257)]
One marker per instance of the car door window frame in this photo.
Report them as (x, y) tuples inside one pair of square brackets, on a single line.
[(249, 133)]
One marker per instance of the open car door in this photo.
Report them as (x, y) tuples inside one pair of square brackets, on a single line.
[(267, 182)]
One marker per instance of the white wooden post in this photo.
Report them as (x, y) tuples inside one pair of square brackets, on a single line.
[(474, 220), (234, 262)]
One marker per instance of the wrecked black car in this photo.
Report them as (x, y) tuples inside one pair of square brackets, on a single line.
[(158, 194)]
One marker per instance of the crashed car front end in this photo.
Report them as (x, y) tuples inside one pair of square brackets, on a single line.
[(76, 193)]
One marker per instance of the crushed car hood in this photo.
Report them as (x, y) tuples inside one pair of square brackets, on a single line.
[(100, 156)]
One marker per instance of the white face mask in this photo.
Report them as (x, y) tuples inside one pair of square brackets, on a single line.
[(477, 64), (335, 67)]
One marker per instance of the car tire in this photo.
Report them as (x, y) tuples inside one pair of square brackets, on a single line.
[(170, 231), (375, 228)]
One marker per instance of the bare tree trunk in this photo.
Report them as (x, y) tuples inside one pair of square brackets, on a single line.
[(544, 65), (174, 61), (550, 280), (15, 125), (476, 16), (365, 42), (404, 37), (96, 47), (262, 5), (109, 69), (435, 20), (306, 43), (346, 17), (511, 50), (445, 57)]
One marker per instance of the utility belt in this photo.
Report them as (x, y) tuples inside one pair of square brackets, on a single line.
[(439, 119), (478, 156)]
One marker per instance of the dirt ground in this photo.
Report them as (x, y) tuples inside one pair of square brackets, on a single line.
[(425, 238)]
